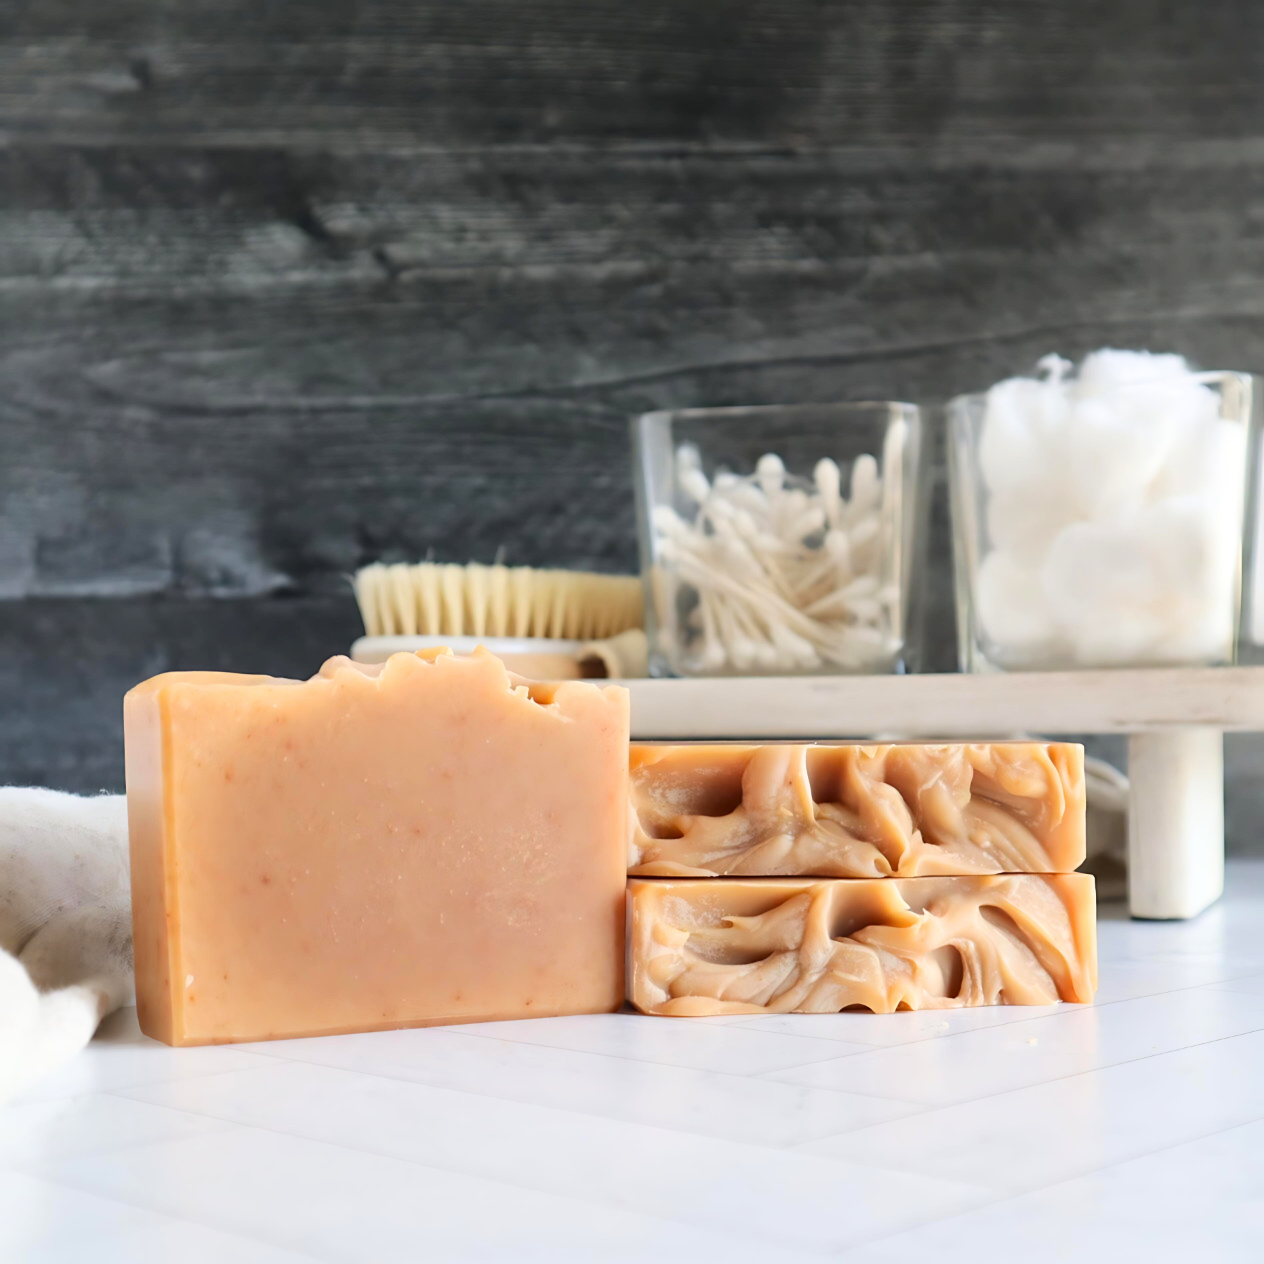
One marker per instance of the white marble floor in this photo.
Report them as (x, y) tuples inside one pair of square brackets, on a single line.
[(1130, 1128)]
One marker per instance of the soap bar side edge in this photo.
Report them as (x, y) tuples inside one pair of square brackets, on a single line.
[(147, 768)]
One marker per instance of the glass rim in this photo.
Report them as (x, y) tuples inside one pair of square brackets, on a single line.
[(743, 410)]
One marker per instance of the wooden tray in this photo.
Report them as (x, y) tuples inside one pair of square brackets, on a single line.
[(949, 705)]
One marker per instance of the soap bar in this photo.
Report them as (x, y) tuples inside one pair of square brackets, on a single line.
[(857, 811), (427, 840), (783, 945)]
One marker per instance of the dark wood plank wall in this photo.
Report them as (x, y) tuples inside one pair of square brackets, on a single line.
[(285, 288)]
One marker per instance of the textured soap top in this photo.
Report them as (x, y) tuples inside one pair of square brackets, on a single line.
[(782, 945), (856, 811)]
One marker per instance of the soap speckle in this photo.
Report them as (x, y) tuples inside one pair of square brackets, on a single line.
[(188, 980)]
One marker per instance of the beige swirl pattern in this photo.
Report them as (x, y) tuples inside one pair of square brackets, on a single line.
[(856, 811), (789, 945)]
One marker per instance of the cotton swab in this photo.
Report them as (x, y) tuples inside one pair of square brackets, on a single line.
[(786, 574)]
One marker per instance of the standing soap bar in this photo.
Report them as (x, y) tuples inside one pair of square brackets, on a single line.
[(425, 841)]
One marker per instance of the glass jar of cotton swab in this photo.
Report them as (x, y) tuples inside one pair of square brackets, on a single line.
[(778, 540)]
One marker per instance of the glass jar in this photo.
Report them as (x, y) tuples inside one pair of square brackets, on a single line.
[(778, 540), (1099, 527)]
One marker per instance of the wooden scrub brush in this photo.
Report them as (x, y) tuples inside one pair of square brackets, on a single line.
[(542, 622), (432, 599)]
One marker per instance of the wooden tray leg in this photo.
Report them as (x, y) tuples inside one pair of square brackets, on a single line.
[(1175, 822)]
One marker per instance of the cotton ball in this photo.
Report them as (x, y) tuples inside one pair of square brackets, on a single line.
[(1024, 520), (1204, 635), (1114, 454), (1173, 412), (1130, 410), (1102, 592), (1224, 478), (1198, 552), (1208, 459), (1118, 588), (1108, 368), (1018, 416), (1012, 611), (1022, 471)]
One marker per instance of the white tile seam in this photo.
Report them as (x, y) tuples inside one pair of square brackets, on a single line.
[(842, 1057), (1227, 986), (466, 1030), (770, 1077), (871, 1045), (1065, 1007), (172, 1217), (604, 1204), (922, 1107), (619, 1057), (931, 1107), (97, 1091), (225, 1125), (1144, 996), (614, 1057), (1079, 1175), (352, 1149), (789, 1148), (750, 1031)]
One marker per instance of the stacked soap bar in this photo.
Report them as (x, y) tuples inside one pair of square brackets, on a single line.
[(785, 877), (426, 841)]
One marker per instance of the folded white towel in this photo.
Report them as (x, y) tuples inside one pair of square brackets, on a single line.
[(65, 926)]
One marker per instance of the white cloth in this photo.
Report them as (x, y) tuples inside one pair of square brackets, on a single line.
[(65, 926), (1107, 827)]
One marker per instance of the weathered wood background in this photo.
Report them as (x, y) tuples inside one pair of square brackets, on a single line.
[(287, 287)]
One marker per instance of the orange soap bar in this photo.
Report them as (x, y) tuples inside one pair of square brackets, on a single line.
[(856, 810), (792, 945), (429, 840)]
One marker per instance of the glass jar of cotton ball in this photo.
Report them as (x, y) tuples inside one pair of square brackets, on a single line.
[(778, 540), (1098, 514)]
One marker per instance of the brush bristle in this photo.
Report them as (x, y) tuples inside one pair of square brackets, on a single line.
[(431, 599)]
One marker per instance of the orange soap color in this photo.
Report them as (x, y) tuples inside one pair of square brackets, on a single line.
[(429, 840)]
